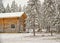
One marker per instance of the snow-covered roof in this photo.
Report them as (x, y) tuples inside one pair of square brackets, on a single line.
[(9, 15)]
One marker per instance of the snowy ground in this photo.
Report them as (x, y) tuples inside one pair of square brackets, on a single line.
[(29, 38)]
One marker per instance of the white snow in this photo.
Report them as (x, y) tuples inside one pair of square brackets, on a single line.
[(27, 38), (15, 14)]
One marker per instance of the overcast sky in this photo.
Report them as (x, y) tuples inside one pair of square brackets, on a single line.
[(22, 2)]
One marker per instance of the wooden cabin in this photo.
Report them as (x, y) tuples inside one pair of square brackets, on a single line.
[(12, 22)]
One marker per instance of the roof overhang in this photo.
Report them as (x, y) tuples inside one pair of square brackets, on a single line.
[(10, 15)]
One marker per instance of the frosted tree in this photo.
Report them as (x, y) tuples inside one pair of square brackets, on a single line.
[(49, 12), (8, 10), (20, 8), (28, 24), (2, 9), (14, 7), (24, 8), (57, 18), (34, 14)]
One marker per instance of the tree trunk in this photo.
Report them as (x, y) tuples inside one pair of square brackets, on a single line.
[(33, 31), (51, 33)]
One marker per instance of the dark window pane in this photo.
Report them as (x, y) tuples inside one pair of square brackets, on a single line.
[(12, 26)]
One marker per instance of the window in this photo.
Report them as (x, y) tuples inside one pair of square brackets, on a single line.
[(12, 26)]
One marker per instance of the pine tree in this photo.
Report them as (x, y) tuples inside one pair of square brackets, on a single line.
[(34, 14), (2, 10), (49, 13), (24, 8), (20, 8), (14, 7), (57, 18), (28, 24), (8, 10)]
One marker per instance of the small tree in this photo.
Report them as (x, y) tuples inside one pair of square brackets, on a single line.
[(8, 10)]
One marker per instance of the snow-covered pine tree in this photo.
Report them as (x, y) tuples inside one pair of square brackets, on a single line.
[(28, 24), (2, 9), (49, 12), (34, 14), (57, 18), (14, 7), (8, 9), (24, 8), (20, 8)]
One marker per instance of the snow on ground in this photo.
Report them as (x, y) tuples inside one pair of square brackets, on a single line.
[(28, 38)]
